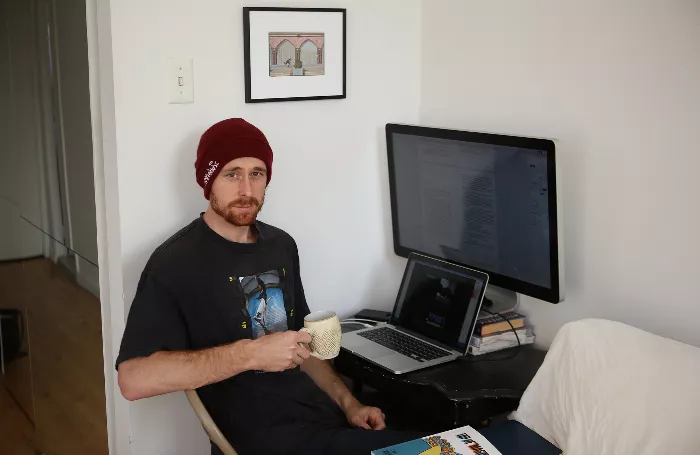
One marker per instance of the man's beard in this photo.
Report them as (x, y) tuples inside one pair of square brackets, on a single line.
[(240, 219)]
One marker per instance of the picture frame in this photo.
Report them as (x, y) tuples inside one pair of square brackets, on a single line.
[(294, 54)]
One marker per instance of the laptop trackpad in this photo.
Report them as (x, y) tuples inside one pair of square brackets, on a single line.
[(366, 348), (396, 362), (376, 351)]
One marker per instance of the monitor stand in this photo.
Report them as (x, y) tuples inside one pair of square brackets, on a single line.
[(498, 300)]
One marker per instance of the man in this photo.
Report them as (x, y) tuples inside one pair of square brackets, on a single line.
[(217, 309)]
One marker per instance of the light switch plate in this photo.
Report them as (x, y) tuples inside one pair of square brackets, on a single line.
[(180, 81)]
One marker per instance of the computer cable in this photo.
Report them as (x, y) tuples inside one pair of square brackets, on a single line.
[(517, 351), (365, 322)]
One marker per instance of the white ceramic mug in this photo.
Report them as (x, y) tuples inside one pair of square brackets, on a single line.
[(324, 328)]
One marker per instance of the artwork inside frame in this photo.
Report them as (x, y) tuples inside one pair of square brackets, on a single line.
[(294, 54)]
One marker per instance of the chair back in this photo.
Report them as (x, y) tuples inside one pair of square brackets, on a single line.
[(604, 381), (208, 423)]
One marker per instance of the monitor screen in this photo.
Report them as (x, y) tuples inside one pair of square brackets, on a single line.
[(439, 301), (484, 201)]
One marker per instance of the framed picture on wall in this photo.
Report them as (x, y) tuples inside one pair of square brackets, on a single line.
[(293, 54)]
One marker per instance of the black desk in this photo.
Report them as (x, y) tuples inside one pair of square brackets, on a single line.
[(468, 391)]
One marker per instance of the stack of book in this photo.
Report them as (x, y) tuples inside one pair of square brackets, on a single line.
[(494, 333)]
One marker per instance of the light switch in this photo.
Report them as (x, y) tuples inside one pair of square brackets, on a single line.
[(180, 82)]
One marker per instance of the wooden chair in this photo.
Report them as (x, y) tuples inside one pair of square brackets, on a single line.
[(208, 423)]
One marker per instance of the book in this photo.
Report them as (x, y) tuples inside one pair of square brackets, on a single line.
[(514, 438), (508, 330), (461, 441), (508, 438), (499, 323), (508, 335), (499, 345)]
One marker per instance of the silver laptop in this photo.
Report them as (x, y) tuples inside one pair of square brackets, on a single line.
[(433, 318)]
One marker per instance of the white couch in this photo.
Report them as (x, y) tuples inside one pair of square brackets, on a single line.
[(606, 388)]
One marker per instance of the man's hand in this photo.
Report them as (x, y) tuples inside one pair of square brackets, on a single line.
[(365, 417), (279, 351), (358, 415)]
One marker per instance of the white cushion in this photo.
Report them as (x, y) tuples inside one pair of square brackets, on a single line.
[(606, 388)]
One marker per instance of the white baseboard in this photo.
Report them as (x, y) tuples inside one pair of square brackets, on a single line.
[(88, 277)]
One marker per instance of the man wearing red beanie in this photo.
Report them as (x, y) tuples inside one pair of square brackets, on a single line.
[(218, 309)]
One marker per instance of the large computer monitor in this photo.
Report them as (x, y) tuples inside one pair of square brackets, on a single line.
[(485, 201)]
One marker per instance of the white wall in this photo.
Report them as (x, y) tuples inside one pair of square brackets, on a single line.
[(75, 122), (20, 147), (25, 168), (616, 83), (331, 193), (100, 64)]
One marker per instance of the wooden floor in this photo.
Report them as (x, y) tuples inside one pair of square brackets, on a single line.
[(16, 430), (53, 401)]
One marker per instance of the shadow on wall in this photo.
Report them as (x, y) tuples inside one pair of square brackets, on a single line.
[(169, 414), (570, 181), (189, 203), (383, 285), (185, 187)]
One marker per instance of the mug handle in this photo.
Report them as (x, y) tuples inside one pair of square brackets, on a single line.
[(311, 333)]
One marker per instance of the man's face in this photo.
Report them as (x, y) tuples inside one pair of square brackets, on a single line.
[(238, 192)]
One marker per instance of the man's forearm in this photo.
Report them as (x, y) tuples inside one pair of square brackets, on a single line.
[(322, 373), (171, 371)]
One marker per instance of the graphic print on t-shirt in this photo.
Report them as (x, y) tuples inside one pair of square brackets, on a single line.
[(265, 302)]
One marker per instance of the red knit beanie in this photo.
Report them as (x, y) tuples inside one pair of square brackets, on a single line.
[(225, 141)]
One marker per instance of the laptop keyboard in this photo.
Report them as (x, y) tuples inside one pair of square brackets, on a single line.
[(404, 344)]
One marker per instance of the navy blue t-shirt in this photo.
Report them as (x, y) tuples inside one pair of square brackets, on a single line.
[(200, 290)]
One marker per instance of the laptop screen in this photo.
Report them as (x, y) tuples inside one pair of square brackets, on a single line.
[(440, 301)]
